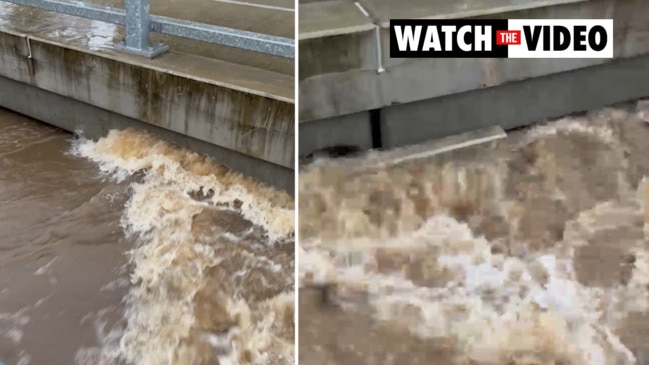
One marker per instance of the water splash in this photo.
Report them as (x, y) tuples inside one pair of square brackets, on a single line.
[(488, 253), (204, 280)]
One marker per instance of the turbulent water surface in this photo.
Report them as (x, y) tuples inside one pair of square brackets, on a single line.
[(132, 251), (528, 250)]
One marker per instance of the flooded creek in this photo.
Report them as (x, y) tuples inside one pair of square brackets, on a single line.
[(129, 250), (528, 250)]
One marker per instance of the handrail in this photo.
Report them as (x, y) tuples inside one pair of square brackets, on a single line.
[(135, 16)]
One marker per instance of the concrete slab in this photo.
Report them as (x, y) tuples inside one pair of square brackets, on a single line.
[(350, 82), (335, 36), (435, 147), (280, 5), (517, 104), (329, 18), (381, 159), (334, 17), (384, 10)]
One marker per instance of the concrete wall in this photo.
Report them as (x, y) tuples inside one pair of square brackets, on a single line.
[(245, 126), (95, 122), (516, 104), (411, 93), (351, 130)]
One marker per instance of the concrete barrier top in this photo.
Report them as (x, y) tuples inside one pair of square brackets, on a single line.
[(328, 18), (384, 10)]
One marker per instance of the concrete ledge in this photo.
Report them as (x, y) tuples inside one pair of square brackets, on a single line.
[(384, 10), (339, 73), (437, 146), (95, 122), (330, 18)]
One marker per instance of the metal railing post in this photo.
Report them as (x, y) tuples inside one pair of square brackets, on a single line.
[(138, 23)]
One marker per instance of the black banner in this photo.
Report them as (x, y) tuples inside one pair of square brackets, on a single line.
[(447, 38)]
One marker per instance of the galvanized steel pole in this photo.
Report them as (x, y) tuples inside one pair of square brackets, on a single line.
[(138, 23)]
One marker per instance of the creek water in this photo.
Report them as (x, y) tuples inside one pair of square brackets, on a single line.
[(528, 250), (129, 250)]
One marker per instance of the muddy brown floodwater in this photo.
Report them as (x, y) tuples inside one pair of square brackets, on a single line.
[(129, 250), (531, 250)]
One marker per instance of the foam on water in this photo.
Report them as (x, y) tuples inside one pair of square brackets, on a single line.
[(123, 153), (12, 327), (186, 304), (494, 308), (508, 299)]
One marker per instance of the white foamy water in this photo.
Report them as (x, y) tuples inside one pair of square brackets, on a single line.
[(497, 307), (123, 158), (460, 252), (12, 326), (209, 280)]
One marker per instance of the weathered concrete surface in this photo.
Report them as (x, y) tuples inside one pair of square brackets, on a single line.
[(384, 10), (69, 114), (329, 18), (236, 106), (339, 72), (511, 105), (517, 104)]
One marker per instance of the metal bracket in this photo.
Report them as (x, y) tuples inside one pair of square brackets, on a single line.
[(138, 23), (150, 52), (29, 49)]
